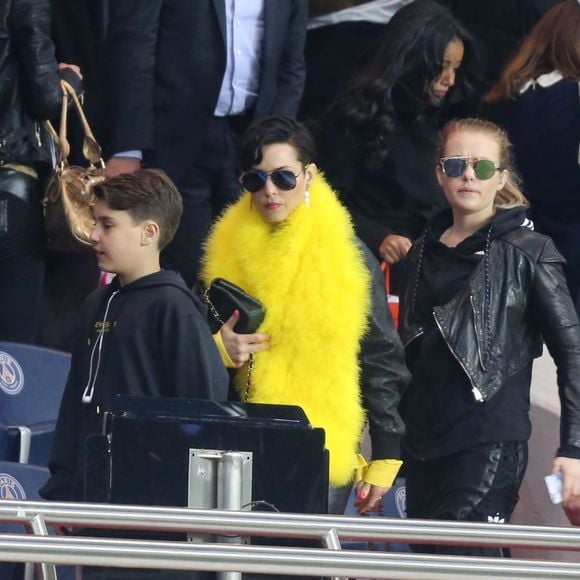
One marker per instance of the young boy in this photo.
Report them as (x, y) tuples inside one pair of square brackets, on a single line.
[(144, 334)]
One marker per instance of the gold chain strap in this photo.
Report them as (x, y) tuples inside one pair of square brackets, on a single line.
[(249, 377), (211, 307), (217, 316)]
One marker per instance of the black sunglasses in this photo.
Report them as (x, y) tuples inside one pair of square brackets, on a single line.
[(484, 169), (283, 179)]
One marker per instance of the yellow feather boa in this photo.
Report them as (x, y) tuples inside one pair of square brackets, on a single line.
[(310, 274)]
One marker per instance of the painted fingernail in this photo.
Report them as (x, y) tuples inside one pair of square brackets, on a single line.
[(362, 494)]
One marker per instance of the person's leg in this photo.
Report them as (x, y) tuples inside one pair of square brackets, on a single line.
[(21, 257), (479, 484), (338, 498)]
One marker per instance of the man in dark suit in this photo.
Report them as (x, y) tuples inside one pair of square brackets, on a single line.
[(186, 76)]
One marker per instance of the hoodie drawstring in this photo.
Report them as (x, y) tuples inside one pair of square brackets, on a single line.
[(90, 386)]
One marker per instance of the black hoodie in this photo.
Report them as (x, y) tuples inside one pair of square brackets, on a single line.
[(145, 338), (440, 413)]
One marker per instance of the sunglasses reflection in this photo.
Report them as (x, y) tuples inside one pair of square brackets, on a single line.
[(284, 179), (483, 168)]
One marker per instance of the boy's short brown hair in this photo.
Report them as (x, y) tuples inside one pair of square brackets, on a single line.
[(147, 194)]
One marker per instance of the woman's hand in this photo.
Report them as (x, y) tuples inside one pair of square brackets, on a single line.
[(570, 469), (239, 346), (368, 496), (394, 248)]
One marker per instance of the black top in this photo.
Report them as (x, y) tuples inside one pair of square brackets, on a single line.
[(400, 196), (155, 342), (439, 410)]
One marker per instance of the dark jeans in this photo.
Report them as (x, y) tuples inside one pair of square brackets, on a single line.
[(21, 256), (479, 484), (210, 185)]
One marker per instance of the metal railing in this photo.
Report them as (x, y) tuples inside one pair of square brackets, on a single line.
[(330, 530)]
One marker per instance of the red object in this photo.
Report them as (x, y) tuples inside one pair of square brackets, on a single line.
[(393, 299)]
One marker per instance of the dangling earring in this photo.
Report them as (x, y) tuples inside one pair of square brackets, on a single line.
[(307, 198)]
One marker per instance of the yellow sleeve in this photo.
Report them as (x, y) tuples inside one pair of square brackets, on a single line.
[(379, 472), (228, 362)]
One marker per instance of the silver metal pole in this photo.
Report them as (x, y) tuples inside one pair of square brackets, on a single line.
[(47, 571), (267, 560), (332, 542), (290, 525), (229, 497)]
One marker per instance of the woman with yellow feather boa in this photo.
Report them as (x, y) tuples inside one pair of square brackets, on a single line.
[(327, 342)]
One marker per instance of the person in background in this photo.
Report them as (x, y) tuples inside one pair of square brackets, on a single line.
[(536, 101), (30, 93), (378, 140), (327, 343), (185, 78), (482, 290), (78, 29), (499, 30), (342, 38)]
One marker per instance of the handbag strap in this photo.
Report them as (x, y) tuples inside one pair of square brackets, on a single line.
[(215, 313), (91, 149)]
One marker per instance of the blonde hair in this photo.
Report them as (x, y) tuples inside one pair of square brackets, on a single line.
[(553, 44), (510, 195)]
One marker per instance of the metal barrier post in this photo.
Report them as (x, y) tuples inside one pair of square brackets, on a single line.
[(230, 482), (220, 479)]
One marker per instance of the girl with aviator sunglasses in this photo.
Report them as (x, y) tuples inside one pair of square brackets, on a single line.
[(482, 290)]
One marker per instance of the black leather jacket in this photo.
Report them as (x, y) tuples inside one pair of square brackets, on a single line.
[(29, 81), (494, 326), (384, 375)]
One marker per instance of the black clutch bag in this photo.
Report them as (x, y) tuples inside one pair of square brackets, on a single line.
[(223, 297)]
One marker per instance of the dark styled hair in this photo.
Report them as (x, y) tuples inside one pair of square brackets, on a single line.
[(275, 130), (553, 44), (395, 84), (146, 194)]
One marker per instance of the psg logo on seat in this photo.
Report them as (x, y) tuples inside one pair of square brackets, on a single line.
[(11, 375)]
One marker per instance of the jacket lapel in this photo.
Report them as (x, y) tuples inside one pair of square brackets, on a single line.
[(220, 10)]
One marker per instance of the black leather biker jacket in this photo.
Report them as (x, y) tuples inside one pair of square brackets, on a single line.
[(495, 325), (29, 82)]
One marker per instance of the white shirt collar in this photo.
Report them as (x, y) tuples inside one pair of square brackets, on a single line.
[(545, 80)]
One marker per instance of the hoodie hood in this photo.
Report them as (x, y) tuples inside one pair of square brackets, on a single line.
[(114, 296), (504, 221), (161, 278)]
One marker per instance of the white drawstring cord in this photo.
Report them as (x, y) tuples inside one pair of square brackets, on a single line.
[(90, 386)]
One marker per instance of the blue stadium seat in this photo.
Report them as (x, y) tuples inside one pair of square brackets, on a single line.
[(394, 506), (20, 481), (32, 381)]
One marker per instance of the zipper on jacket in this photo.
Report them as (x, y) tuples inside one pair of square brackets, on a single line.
[(415, 336), (479, 352), (37, 133), (477, 394)]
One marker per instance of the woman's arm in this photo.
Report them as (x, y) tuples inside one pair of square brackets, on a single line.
[(30, 32), (384, 377), (556, 316)]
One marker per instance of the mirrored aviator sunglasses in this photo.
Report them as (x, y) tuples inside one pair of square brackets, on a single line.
[(283, 179), (484, 169)]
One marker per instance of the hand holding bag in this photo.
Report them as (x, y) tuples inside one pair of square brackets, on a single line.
[(67, 201), (223, 298)]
